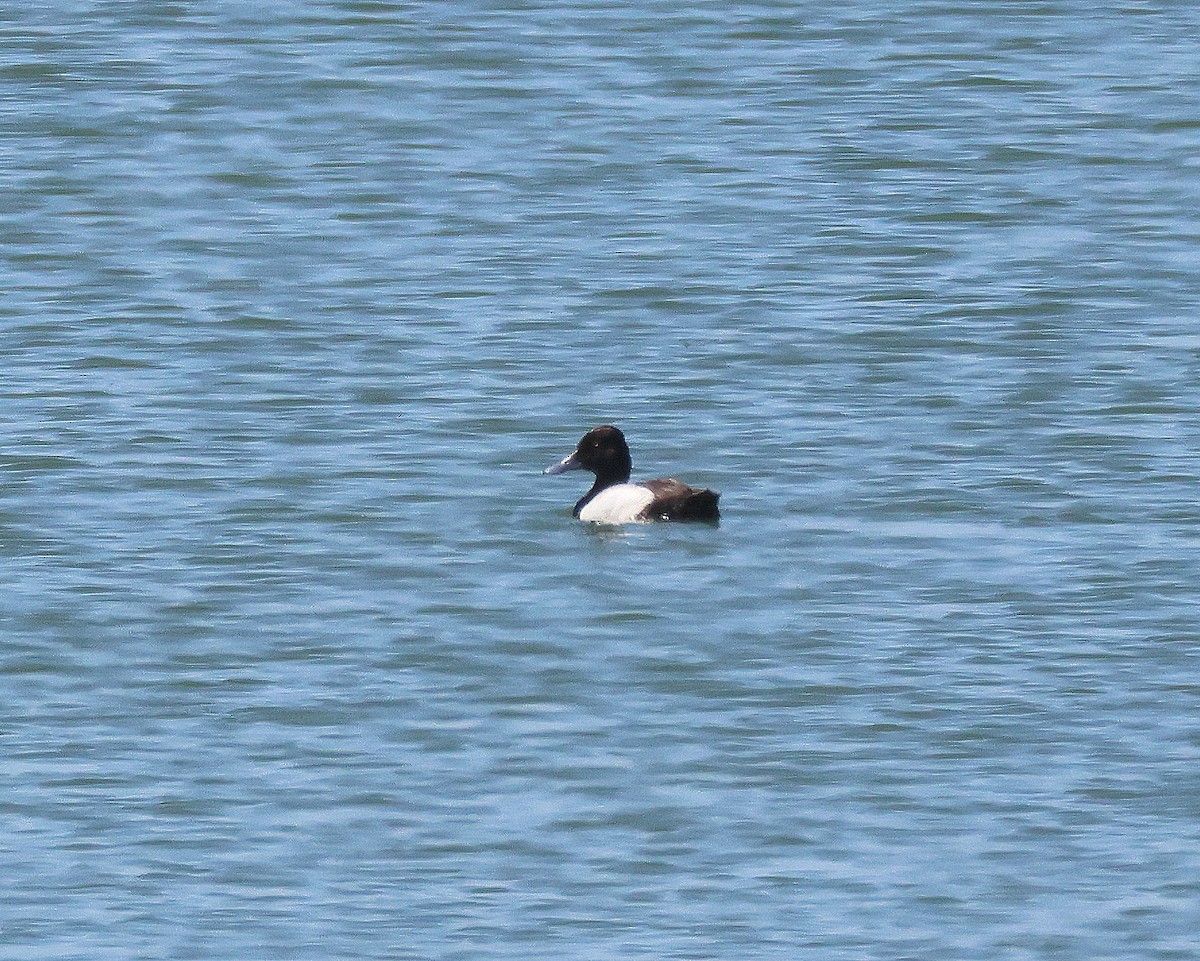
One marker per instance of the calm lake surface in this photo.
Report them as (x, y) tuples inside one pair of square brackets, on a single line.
[(300, 656)]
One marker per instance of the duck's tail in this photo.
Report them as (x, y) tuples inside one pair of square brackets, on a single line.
[(698, 505)]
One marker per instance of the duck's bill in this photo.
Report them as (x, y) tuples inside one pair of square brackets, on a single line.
[(570, 462)]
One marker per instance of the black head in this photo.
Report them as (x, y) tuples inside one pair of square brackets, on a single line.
[(602, 451)]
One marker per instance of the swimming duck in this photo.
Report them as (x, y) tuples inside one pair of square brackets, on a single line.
[(613, 500)]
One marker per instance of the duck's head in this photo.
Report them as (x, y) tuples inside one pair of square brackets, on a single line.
[(602, 451)]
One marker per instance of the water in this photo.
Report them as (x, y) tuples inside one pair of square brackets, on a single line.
[(302, 658)]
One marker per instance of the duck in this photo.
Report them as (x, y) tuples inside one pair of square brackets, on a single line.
[(614, 500)]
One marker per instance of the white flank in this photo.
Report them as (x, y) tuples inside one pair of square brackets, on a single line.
[(619, 504)]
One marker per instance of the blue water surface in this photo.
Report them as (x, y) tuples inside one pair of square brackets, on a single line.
[(300, 656)]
